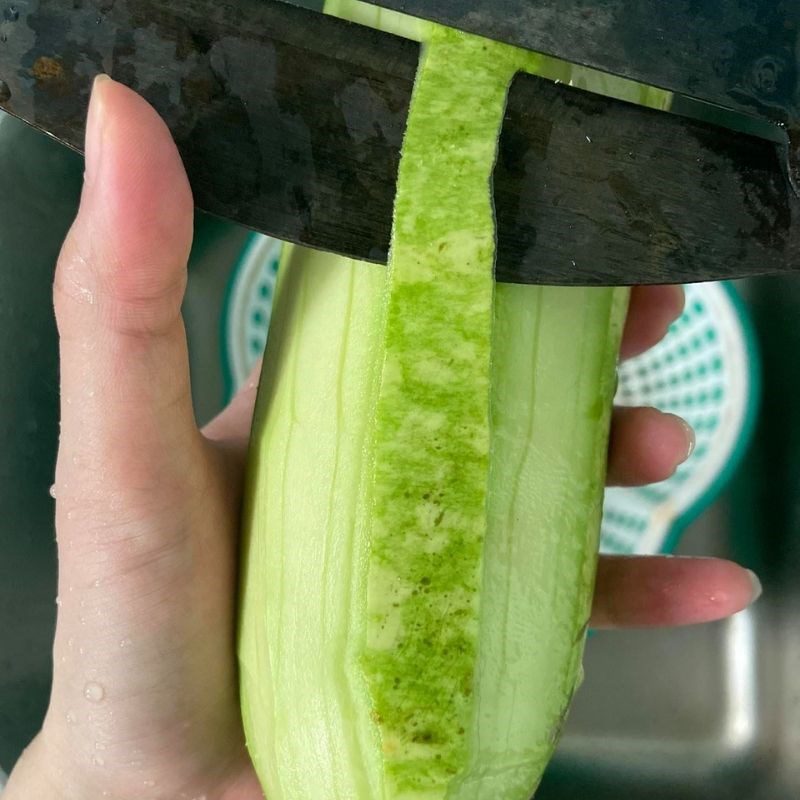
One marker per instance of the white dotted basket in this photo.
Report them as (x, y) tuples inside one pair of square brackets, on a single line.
[(705, 370)]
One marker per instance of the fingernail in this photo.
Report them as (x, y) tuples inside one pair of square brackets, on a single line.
[(678, 301), (95, 125), (691, 439), (756, 587)]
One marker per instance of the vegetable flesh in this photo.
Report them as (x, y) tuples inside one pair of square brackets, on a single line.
[(460, 690)]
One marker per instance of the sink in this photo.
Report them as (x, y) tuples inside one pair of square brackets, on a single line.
[(710, 712)]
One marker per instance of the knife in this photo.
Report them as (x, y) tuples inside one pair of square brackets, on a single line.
[(290, 122)]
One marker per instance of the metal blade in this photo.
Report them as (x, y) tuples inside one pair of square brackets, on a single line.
[(290, 122), (741, 54)]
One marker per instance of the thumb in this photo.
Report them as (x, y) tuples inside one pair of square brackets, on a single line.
[(128, 430)]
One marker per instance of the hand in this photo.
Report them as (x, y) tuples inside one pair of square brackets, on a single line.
[(144, 699)]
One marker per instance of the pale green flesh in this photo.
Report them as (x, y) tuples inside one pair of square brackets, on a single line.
[(460, 689)]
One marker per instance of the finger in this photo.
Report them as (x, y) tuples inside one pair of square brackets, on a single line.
[(652, 310), (657, 591), (127, 418), (646, 446)]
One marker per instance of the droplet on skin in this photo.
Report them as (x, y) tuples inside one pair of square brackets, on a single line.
[(53, 491), (71, 718), (58, 600), (148, 784), (98, 761), (125, 643), (97, 583), (94, 692), (81, 650)]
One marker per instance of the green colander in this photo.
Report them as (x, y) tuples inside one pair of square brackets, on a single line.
[(705, 370)]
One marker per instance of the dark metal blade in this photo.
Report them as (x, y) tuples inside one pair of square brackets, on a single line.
[(290, 122), (741, 54), (589, 189)]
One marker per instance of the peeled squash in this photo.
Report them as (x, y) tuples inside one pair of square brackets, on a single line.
[(425, 486)]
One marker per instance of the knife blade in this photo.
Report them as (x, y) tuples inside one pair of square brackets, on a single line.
[(291, 122), (740, 54)]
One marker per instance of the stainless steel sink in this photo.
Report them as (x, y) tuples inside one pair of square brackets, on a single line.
[(711, 712)]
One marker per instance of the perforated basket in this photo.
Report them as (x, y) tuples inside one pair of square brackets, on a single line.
[(705, 370)]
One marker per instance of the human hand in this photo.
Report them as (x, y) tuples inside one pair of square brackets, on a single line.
[(144, 699)]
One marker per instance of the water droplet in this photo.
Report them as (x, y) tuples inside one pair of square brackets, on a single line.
[(80, 649), (90, 393), (86, 295), (94, 692), (125, 643), (70, 642), (71, 718), (98, 761), (97, 583), (53, 491), (148, 784), (134, 763), (58, 601), (70, 515), (99, 746)]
